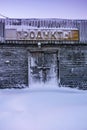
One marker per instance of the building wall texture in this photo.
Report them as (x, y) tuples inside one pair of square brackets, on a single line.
[(14, 53), (72, 60), (13, 66), (73, 65)]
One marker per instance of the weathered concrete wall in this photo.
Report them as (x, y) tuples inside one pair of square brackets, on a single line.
[(13, 66), (73, 66)]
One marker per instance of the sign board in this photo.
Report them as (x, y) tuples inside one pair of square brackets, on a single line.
[(44, 34)]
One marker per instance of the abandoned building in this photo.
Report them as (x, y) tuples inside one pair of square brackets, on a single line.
[(43, 51)]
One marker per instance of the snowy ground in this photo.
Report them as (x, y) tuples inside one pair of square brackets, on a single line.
[(43, 109)]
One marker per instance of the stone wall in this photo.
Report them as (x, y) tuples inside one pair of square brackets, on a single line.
[(13, 66), (73, 66), (72, 63)]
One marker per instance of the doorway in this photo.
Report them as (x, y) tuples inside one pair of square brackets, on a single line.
[(43, 67)]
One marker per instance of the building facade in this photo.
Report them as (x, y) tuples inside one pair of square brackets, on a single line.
[(43, 51)]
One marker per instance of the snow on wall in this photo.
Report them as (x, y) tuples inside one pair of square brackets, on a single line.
[(18, 24), (33, 23)]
